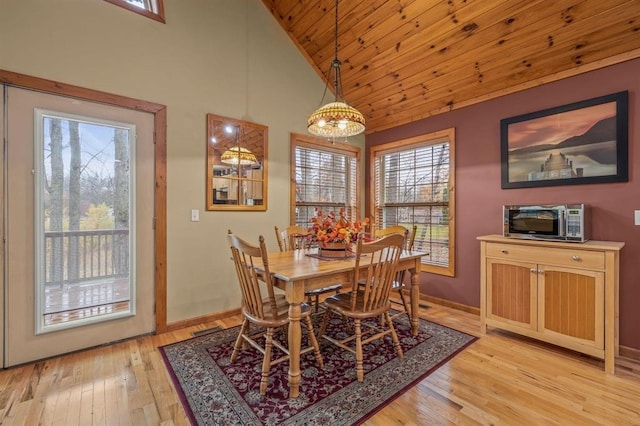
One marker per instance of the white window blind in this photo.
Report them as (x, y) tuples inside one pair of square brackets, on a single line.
[(324, 179), (412, 185)]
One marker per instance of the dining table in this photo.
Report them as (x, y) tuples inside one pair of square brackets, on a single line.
[(301, 270)]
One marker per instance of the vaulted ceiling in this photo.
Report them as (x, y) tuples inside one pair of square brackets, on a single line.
[(404, 60)]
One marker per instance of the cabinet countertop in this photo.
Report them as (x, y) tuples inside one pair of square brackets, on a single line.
[(589, 245)]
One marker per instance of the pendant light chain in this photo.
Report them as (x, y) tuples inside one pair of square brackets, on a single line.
[(336, 31), (336, 62), (336, 119)]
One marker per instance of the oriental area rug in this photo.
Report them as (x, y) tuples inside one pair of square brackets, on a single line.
[(215, 392)]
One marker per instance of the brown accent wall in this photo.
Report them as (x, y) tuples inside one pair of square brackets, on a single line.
[(479, 196)]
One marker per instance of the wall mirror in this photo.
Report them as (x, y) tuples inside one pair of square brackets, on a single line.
[(236, 164)]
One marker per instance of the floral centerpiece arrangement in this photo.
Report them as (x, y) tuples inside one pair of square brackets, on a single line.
[(331, 229)]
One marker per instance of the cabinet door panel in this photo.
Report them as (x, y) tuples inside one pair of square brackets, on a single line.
[(571, 304), (511, 293), (575, 304)]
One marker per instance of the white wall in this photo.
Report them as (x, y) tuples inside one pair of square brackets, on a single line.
[(227, 57)]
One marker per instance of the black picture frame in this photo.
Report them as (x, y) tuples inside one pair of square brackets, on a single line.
[(579, 143)]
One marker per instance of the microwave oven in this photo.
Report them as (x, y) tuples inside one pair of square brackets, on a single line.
[(554, 222)]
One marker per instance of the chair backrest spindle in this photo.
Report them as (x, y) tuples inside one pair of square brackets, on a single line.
[(410, 238), (247, 257), (380, 260)]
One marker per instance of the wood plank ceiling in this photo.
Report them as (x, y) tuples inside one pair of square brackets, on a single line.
[(404, 60)]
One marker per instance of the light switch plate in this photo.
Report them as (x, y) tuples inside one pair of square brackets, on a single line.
[(195, 215), (637, 217)]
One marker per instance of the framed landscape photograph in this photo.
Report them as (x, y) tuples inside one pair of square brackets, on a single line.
[(579, 143)]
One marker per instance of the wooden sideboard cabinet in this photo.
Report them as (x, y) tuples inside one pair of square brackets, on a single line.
[(561, 293)]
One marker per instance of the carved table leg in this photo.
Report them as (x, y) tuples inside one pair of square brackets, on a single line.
[(415, 300), (294, 345)]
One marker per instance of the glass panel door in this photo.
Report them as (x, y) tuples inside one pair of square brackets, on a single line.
[(84, 249), (79, 229)]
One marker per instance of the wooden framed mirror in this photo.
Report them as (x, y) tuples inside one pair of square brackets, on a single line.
[(236, 164)]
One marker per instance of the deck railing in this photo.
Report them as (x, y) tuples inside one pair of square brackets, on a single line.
[(74, 256)]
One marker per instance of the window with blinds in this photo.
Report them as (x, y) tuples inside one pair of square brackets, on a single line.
[(326, 177), (413, 184)]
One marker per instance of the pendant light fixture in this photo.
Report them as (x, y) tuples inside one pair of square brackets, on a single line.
[(237, 155), (336, 119)]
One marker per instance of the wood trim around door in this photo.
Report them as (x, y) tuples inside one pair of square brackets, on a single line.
[(160, 161)]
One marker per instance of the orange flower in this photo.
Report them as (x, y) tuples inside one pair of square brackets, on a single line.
[(332, 228)]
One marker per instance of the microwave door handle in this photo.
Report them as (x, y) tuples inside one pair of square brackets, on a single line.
[(562, 223)]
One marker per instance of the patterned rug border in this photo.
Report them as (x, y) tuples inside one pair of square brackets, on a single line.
[(184, 399), (176, 381)]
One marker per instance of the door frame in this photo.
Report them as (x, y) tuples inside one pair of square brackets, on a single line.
[(160, 164)]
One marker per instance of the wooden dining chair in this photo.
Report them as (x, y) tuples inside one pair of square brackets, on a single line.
[(296, 237), (270, 311), (375, 265), (398, 282), (293, 237)]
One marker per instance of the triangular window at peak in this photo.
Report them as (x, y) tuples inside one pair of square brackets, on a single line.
[(153, 9)]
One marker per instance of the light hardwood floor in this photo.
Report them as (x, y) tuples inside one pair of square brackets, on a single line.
[(501, 379)]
